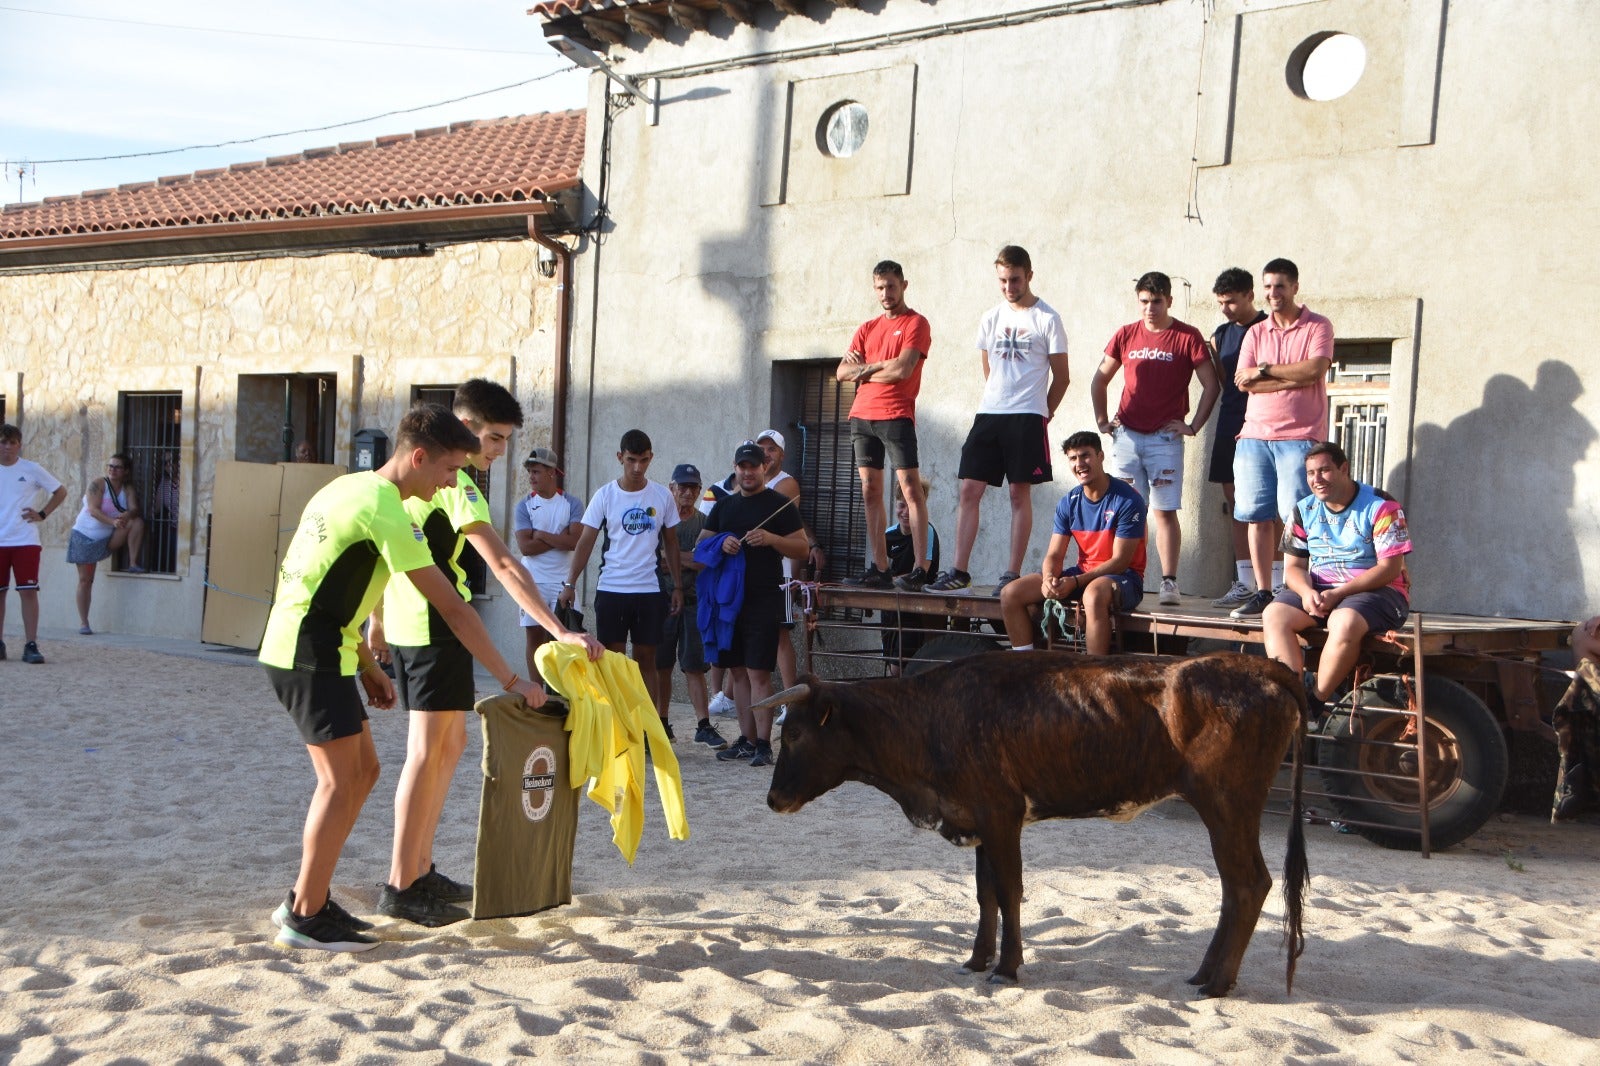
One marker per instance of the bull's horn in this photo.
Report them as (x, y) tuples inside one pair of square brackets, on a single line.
[(788, 695)]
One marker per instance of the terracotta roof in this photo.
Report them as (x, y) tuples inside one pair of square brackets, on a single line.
[(504, 160), (630, 22)]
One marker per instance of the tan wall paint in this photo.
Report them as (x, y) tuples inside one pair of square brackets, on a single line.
[(70, 341), (1459, 237)]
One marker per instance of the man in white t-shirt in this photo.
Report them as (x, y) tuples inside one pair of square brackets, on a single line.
[(28, 495), (546, 523), (635, 514), (1024, 351)]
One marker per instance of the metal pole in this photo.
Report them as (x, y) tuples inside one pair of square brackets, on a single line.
[(1422, 729)]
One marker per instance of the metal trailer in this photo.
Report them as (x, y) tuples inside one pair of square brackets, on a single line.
[(1413, 755)]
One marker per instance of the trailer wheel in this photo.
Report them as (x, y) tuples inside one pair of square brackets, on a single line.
[(1467, 764), (947, 648)]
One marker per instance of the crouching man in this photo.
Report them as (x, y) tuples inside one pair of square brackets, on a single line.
[(1105, 518), (1344, 568)]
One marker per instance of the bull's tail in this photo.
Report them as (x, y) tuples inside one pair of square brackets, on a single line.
[(1295, 870)]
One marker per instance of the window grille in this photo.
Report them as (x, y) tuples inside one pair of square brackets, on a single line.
[(830, 488), (471, 562), (149, 430), (1358, 406), (277, 411)]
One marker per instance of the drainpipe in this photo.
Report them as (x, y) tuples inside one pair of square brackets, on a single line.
[(558, 416)]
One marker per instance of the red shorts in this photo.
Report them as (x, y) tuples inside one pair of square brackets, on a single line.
[(23, 562)]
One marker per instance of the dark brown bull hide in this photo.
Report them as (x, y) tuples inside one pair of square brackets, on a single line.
[(1577, 724), (983, 746)]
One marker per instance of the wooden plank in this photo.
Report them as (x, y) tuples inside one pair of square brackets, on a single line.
[(243, 553)]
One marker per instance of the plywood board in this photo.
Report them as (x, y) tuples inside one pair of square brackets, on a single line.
[(243, 553)]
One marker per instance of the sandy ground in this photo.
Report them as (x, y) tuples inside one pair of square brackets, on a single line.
[(150, 815)]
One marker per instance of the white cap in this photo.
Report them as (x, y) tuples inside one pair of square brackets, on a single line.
[(774, 436)]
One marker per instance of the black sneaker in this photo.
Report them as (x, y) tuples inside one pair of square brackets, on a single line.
[(2, 651), (322, 931), (763, 754), (439, 886), (1005, 579), (1316, 706), (1253, 606), (950, 581), (338, 913), (739, 749), (417, 904), (30, 653), (667, 726), (706, 733), (870, 578), (913, 581)]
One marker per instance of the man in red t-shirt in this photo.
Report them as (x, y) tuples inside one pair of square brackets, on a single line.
[(885, 362), (1158, 355)]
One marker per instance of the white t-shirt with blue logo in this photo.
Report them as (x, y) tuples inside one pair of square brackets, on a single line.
[(630, 525)]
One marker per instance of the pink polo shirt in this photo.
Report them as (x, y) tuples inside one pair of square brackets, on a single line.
[(1293, 414)]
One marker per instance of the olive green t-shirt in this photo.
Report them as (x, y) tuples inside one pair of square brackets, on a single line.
[(353, 534), (409, 620)]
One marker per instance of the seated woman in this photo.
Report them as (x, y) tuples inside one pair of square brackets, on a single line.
[(109, 520), (903, 644)]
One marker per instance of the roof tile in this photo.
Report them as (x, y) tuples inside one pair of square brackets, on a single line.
[(489, 161)]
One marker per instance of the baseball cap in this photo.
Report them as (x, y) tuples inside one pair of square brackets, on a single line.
[(749, 452), (686, 474), (544, 457), (774, 436)]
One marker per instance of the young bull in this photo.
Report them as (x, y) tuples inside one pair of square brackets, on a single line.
[(983, 746)]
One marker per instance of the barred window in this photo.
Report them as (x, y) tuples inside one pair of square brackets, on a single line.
[(1358, 406), (149, 430)]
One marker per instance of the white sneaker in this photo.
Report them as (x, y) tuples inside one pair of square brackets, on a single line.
[(1169, 593), (721, 705), (1234, 596)]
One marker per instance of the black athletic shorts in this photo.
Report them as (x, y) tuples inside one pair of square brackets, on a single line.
[(434, 678), (1229, 423), (324, 706), (639, 615), (755, 636), (680, 643), (871, 438), (1014, 448)]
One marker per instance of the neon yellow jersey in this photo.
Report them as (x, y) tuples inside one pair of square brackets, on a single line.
[(354, 533), (409, 620)]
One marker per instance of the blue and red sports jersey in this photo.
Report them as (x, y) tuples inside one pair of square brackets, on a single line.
[(1094, 524), (1341, 545)]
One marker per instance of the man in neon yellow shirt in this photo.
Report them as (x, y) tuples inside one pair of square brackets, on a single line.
[(434, 669), (353, 534)]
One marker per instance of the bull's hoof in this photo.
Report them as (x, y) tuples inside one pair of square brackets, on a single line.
[(1215, 989), (998, 978), (1200, 978), (976, 964)]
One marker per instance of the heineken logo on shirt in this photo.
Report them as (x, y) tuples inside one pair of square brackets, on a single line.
[(636, 520), (538, 783)]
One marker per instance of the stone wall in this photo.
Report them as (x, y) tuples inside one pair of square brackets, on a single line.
[(71, 341)]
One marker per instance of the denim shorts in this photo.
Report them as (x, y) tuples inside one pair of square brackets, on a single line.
[(1269, 478), (1152, 463)]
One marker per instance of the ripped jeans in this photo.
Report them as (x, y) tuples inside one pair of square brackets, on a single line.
[(1152, 463)]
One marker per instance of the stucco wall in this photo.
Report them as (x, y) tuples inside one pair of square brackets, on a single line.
[(70, 341), (1111, 143)]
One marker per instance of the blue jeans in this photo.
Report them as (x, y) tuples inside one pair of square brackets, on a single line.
[(1269, 478)]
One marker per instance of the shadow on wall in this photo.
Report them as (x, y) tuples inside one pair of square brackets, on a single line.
[(1492, 495)]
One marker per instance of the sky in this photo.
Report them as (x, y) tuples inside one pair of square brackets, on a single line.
[(83, 78)]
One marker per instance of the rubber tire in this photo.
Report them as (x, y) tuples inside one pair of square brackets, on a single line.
[(1461, 804), (948, 647)]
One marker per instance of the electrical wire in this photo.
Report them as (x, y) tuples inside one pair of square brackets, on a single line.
[(288, 133), (259, 33)]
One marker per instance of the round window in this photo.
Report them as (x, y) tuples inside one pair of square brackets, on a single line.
[(842, 130), (1325, 66)]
